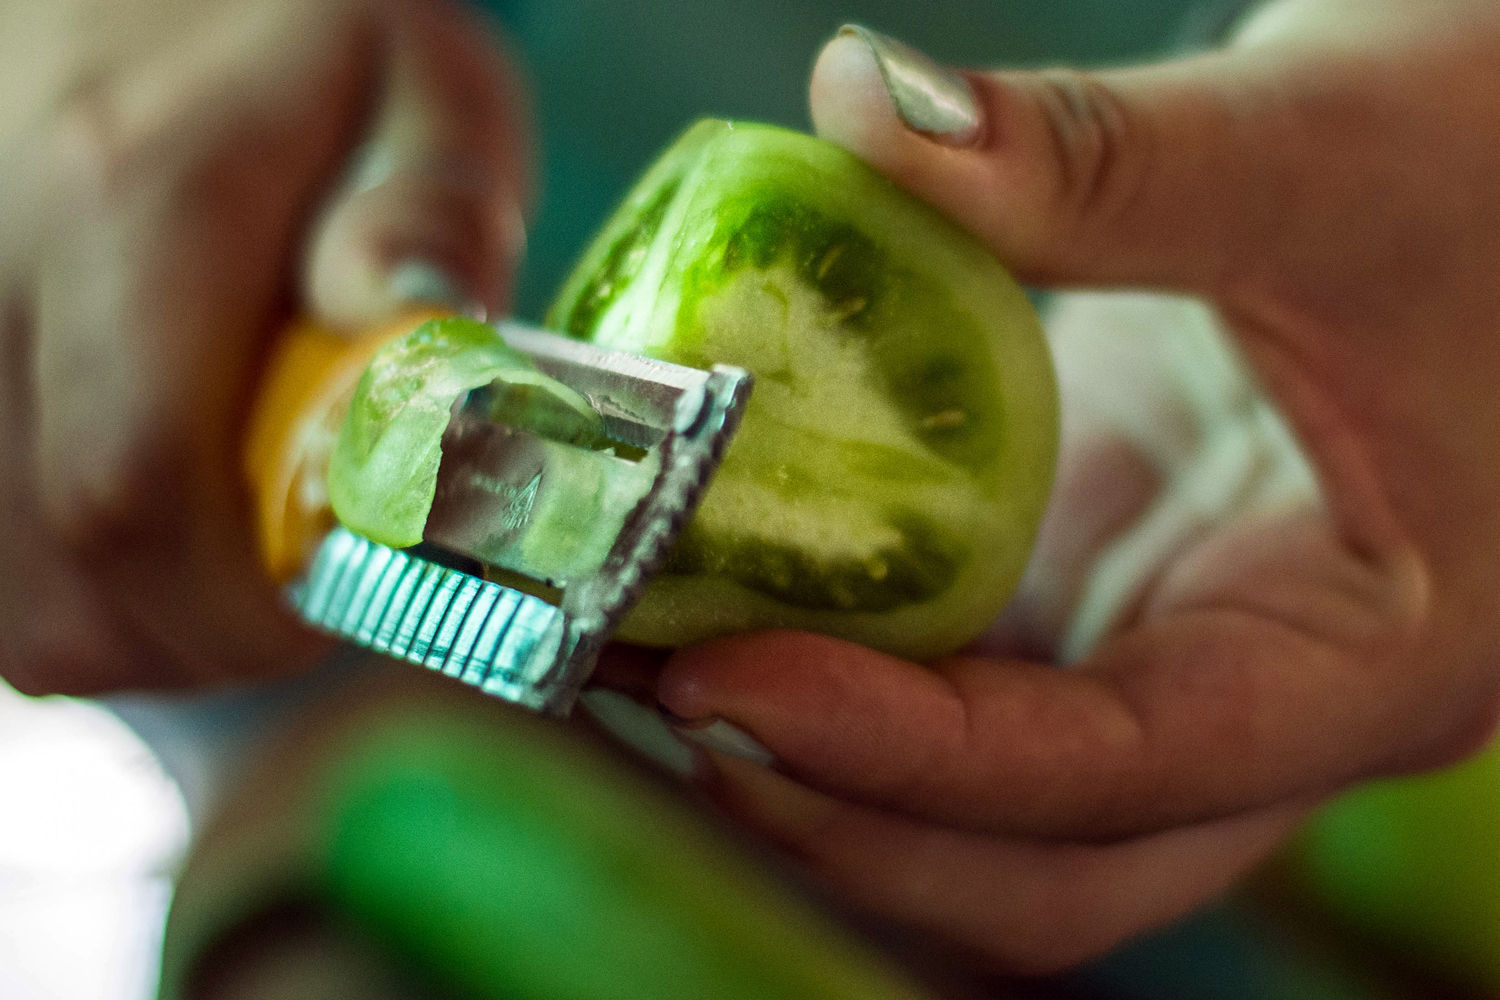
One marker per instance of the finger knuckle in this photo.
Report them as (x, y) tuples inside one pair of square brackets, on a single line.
[(109, 157), (1100, 147), (188, 129), (96, 155)]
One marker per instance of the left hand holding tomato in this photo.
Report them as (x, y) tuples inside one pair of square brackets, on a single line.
[(1249, 629)]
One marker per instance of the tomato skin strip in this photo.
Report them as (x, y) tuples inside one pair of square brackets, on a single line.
[(308, 381)]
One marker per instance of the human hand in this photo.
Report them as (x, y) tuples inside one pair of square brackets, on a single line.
[(1248, 629), (176, 178)]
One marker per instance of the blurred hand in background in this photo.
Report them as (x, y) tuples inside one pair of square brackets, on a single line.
[(177, 178)]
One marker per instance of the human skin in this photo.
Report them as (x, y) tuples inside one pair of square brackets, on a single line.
[(1329, 184), (176, 179)]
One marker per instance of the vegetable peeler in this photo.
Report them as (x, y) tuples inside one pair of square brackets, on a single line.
[(535, 548)]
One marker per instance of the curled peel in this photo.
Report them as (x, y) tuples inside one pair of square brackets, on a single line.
[(305, 390), (383, 475)]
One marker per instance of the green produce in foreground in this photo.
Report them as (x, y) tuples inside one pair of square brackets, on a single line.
[(895, 460), (481, 852), (1412, 865), (563, 877)]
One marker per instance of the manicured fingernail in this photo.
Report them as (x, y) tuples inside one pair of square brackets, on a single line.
[(727, 738), (930, 98), (421, 282), (676, 721), (639, 728)]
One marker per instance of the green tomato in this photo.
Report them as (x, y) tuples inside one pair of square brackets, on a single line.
[(898, 449)]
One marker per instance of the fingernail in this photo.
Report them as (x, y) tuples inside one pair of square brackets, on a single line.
[(929, 97), (676, 721), (639, 728), (423, 283), (728, 739)]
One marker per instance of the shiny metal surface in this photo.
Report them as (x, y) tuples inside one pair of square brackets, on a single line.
[(588, 528), (497, 639)]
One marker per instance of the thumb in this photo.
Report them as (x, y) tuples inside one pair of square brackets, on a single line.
[(1073, 178), (431, 209)]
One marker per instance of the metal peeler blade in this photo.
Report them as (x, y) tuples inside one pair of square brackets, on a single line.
[(535, 549)]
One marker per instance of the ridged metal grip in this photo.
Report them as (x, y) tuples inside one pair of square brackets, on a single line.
[(506, 643)]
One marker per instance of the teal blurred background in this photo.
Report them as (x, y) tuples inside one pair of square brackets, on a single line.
[(614, 82)]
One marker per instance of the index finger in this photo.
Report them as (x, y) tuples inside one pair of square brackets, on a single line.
[(1266, 665)]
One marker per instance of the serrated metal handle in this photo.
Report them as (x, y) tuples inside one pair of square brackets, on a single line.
[(500, 640)]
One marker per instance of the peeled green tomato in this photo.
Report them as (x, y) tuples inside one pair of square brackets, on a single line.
[(897, 453)]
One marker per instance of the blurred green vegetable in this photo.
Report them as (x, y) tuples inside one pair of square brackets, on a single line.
[(509, 863), (1413, 865)]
